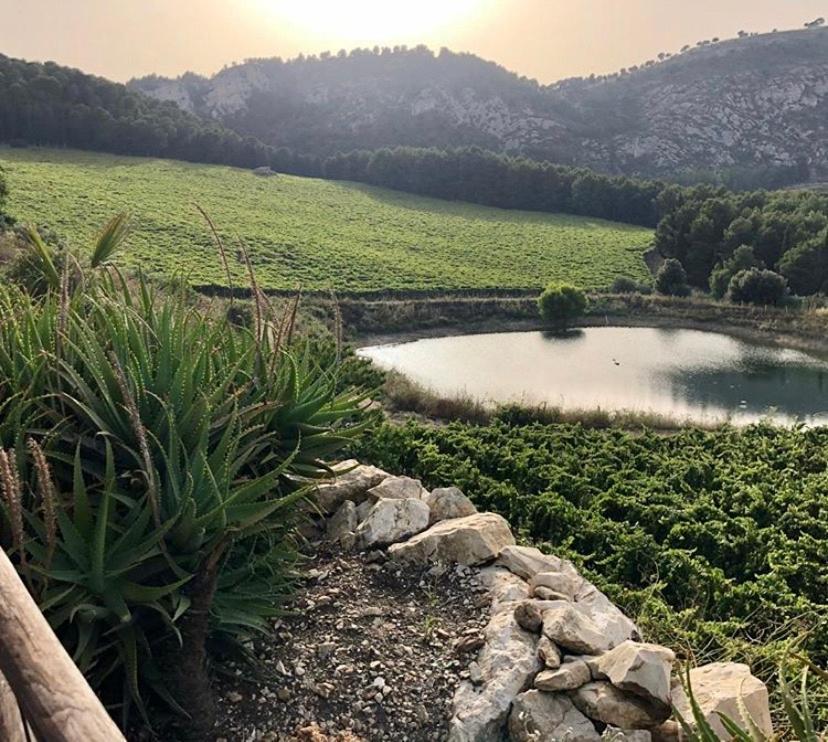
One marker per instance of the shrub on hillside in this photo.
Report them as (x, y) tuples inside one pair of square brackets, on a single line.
[(671, 279), (561, 304), (754, 286), (151, 460)]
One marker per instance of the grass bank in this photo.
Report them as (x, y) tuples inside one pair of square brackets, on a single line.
[(397, 320)]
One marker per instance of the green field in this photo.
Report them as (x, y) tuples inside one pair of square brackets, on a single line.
[(316, 233)]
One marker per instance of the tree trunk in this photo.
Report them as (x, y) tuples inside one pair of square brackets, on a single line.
[(55, 698), (190, 682)]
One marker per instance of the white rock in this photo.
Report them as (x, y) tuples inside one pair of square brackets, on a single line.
[(390, 521), (549, 653), (352, 484), (641, 669), (602, 701), (448, 503), (505, 588), (609, 619), (398, 488), (717, 688), (562, 583), (541, 717), (508, 662), (527, 561), (342, 521), (472, 540), (569, 676), (568, 627)]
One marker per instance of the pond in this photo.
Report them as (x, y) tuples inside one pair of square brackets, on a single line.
[(687, 375)]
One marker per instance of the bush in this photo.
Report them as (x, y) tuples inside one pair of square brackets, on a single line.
[(560, 304), (151, 461), (754, 286), (626, 285), (742, 259), (671, 279)]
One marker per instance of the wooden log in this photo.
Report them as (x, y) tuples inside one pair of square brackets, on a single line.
[(55, 697), (11, 724)]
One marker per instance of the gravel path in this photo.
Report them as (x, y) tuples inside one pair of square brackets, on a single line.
[(374, 652)]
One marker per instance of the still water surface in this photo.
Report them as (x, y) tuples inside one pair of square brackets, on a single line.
[(686, 374)]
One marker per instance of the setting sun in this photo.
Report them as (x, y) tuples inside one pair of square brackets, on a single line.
[(366, 21)]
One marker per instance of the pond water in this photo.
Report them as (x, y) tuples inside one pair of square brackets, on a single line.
[(685, 374)]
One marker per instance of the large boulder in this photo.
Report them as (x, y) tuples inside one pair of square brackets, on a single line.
[(568, 627), (527, 561), (472, 540), (508, 662), (447, 503), (538, 717), (611, 622), (397, 488), (352, 482), (602, 701), (718, 688), (390, 521), (641, 669)]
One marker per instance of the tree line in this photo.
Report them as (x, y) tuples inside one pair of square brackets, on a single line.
[(702, 227)]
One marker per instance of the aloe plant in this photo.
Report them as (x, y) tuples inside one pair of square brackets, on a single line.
[(154, 460)]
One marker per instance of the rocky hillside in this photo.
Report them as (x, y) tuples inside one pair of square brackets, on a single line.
[(747, 105)]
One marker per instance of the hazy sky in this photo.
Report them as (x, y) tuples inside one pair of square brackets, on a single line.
[(545, 39)]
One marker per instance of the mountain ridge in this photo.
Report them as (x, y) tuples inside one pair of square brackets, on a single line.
[(754, 103)]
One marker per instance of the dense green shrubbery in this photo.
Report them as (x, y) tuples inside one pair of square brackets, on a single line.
[(561, 304), (754, 286), (149, 457), (671, 279), (717, 541)]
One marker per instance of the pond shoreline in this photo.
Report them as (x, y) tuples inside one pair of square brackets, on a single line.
[(768, 330)]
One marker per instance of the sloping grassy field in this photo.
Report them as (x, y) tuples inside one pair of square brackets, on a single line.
[(320, 234)]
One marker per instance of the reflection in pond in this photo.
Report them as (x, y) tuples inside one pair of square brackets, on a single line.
[(685, 374)]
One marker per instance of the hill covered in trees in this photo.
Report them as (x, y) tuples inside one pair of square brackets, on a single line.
[(750, 111), (48, 104)]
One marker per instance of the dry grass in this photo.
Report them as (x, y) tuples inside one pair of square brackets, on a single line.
[(401, 395)]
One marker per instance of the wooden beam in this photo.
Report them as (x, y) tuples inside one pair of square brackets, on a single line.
[(56, 699), (11, 725)]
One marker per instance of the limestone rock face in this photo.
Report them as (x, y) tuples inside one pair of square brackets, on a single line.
[(569, 676), (343, 521), (472, 540), (398, 488), (602, 701), (568, 627), (351, 485), (390, 521), (717, 688), (641, 669), (538, 717), (508, 662), (613, 734), (447, 503)]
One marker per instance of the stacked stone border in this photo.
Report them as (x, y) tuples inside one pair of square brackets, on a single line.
[(557, 660)]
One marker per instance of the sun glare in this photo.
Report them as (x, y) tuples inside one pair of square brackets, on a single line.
[(372, 21)]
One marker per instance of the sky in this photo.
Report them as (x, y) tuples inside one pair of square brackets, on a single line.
[(544, 39)]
